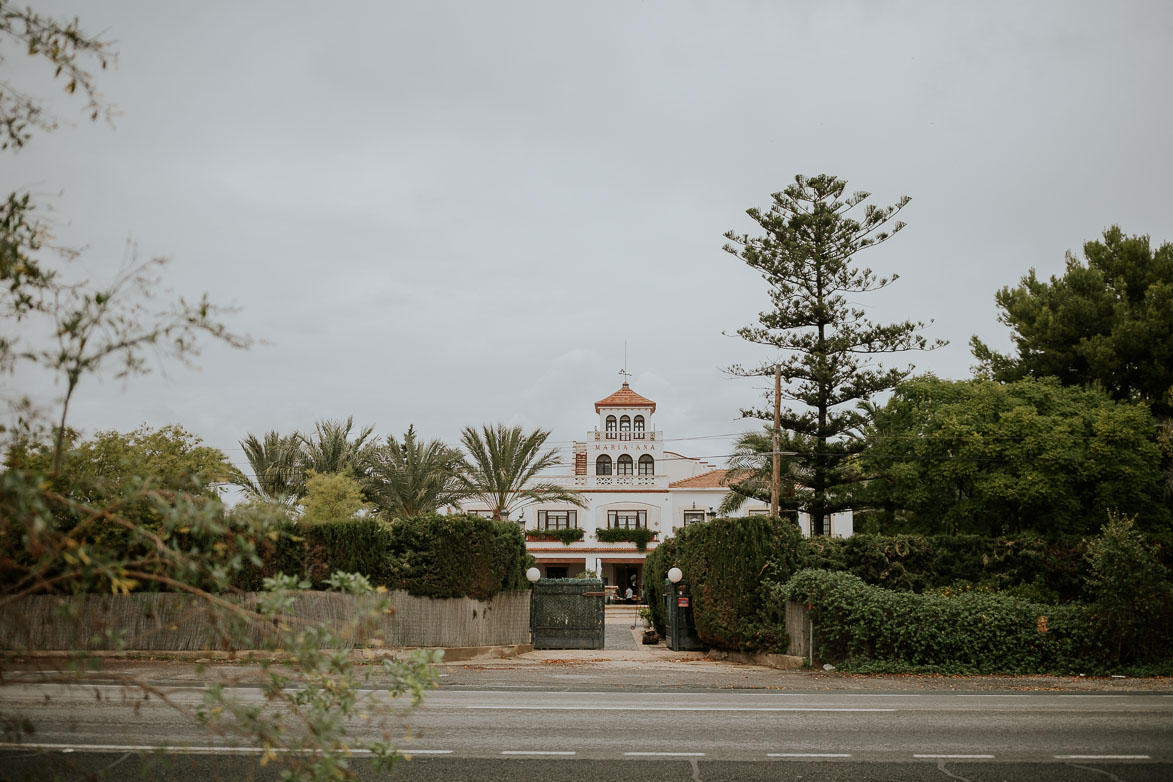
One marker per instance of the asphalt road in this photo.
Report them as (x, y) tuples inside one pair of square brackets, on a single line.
[(697, 735)]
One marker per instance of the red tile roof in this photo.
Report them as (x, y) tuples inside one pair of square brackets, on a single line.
[(713, 479), (625, 397)]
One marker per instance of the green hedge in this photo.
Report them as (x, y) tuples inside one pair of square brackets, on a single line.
[(865, 627), (1027, 564), (726, 563), (640, 536), (656, 566), (567, 536), (428, 556)]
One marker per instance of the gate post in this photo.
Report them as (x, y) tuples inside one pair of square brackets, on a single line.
[(681, 635)]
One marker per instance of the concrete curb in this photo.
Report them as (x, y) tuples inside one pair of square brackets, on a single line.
[(784, 662), (452, 654)]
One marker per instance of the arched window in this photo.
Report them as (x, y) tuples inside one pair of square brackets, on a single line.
[(603, 465), (638, 423), (610, 423), (625, 424), (647, 465), (623, 465)]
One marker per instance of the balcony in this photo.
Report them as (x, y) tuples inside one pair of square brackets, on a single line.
[(627, 436), (610, 481)]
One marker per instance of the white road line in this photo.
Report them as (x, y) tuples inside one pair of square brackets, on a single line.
[(954, 757), (534, 752), (176, 749), (808, 755), (674, 708), (993, 696), (1102, 757), (873, 695), (1092, 696), (666, 754), (425, 752)]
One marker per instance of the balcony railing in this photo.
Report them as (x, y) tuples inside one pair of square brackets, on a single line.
[(626, 436), (610, 481)]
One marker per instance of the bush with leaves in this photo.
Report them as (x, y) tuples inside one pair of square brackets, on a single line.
[(640, 536), (726, 563), (1131, 589), (147, 527), (865, 627), (427, 556)]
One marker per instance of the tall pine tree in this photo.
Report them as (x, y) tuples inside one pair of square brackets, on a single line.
[(825, 344)]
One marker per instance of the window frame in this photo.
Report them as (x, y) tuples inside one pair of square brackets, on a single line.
[(640, 517), (604, 459), (625, 460), (646, 460), (694, 513), (565, 518)]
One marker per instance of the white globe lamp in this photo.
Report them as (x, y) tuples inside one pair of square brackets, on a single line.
[(533, 574), (674, 575)]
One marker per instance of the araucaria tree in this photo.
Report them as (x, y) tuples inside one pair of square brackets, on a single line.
[(825, 344)]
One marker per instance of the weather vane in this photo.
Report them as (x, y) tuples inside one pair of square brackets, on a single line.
[(624, 371)]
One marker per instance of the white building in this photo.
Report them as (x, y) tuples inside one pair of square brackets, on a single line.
[(628, 479)]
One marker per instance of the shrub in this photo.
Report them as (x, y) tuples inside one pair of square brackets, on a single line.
[(919, 562), (1130, 587), (656, 567), (640, 536), (456, 556), (567, 536), (726, 563), (867, 627), (428, 555)]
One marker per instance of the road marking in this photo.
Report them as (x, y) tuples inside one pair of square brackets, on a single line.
[(196, 750), (993, 696), (666, 754), (675, 708), (875, 695), (1091, 696), (808, 755), (1102, 757), (954, 757), (534, 752)]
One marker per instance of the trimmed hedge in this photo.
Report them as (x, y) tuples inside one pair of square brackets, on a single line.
[(868, 628), (656, 566), (428, 556), (1029, 564), (726, 563)]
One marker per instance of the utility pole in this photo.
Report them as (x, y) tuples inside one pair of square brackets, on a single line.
[(776, 477)]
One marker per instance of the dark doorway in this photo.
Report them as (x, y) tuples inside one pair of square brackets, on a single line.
[(629, 576)]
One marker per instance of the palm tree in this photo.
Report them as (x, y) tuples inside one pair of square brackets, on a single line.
[(501, 468), (413, 477), (331, 450), (750, 469), (276, 466), (280, 462)]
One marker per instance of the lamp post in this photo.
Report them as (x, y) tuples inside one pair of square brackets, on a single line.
[(675, 574), (532, 575)]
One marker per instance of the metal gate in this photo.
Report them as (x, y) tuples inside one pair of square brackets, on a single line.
[(567, 613)]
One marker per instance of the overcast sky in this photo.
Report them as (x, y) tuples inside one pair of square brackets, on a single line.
[(443, 214)]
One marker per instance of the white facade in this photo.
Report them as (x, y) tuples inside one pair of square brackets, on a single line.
[(626, 477)]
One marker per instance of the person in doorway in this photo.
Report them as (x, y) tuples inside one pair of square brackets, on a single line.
[(629, 595)]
